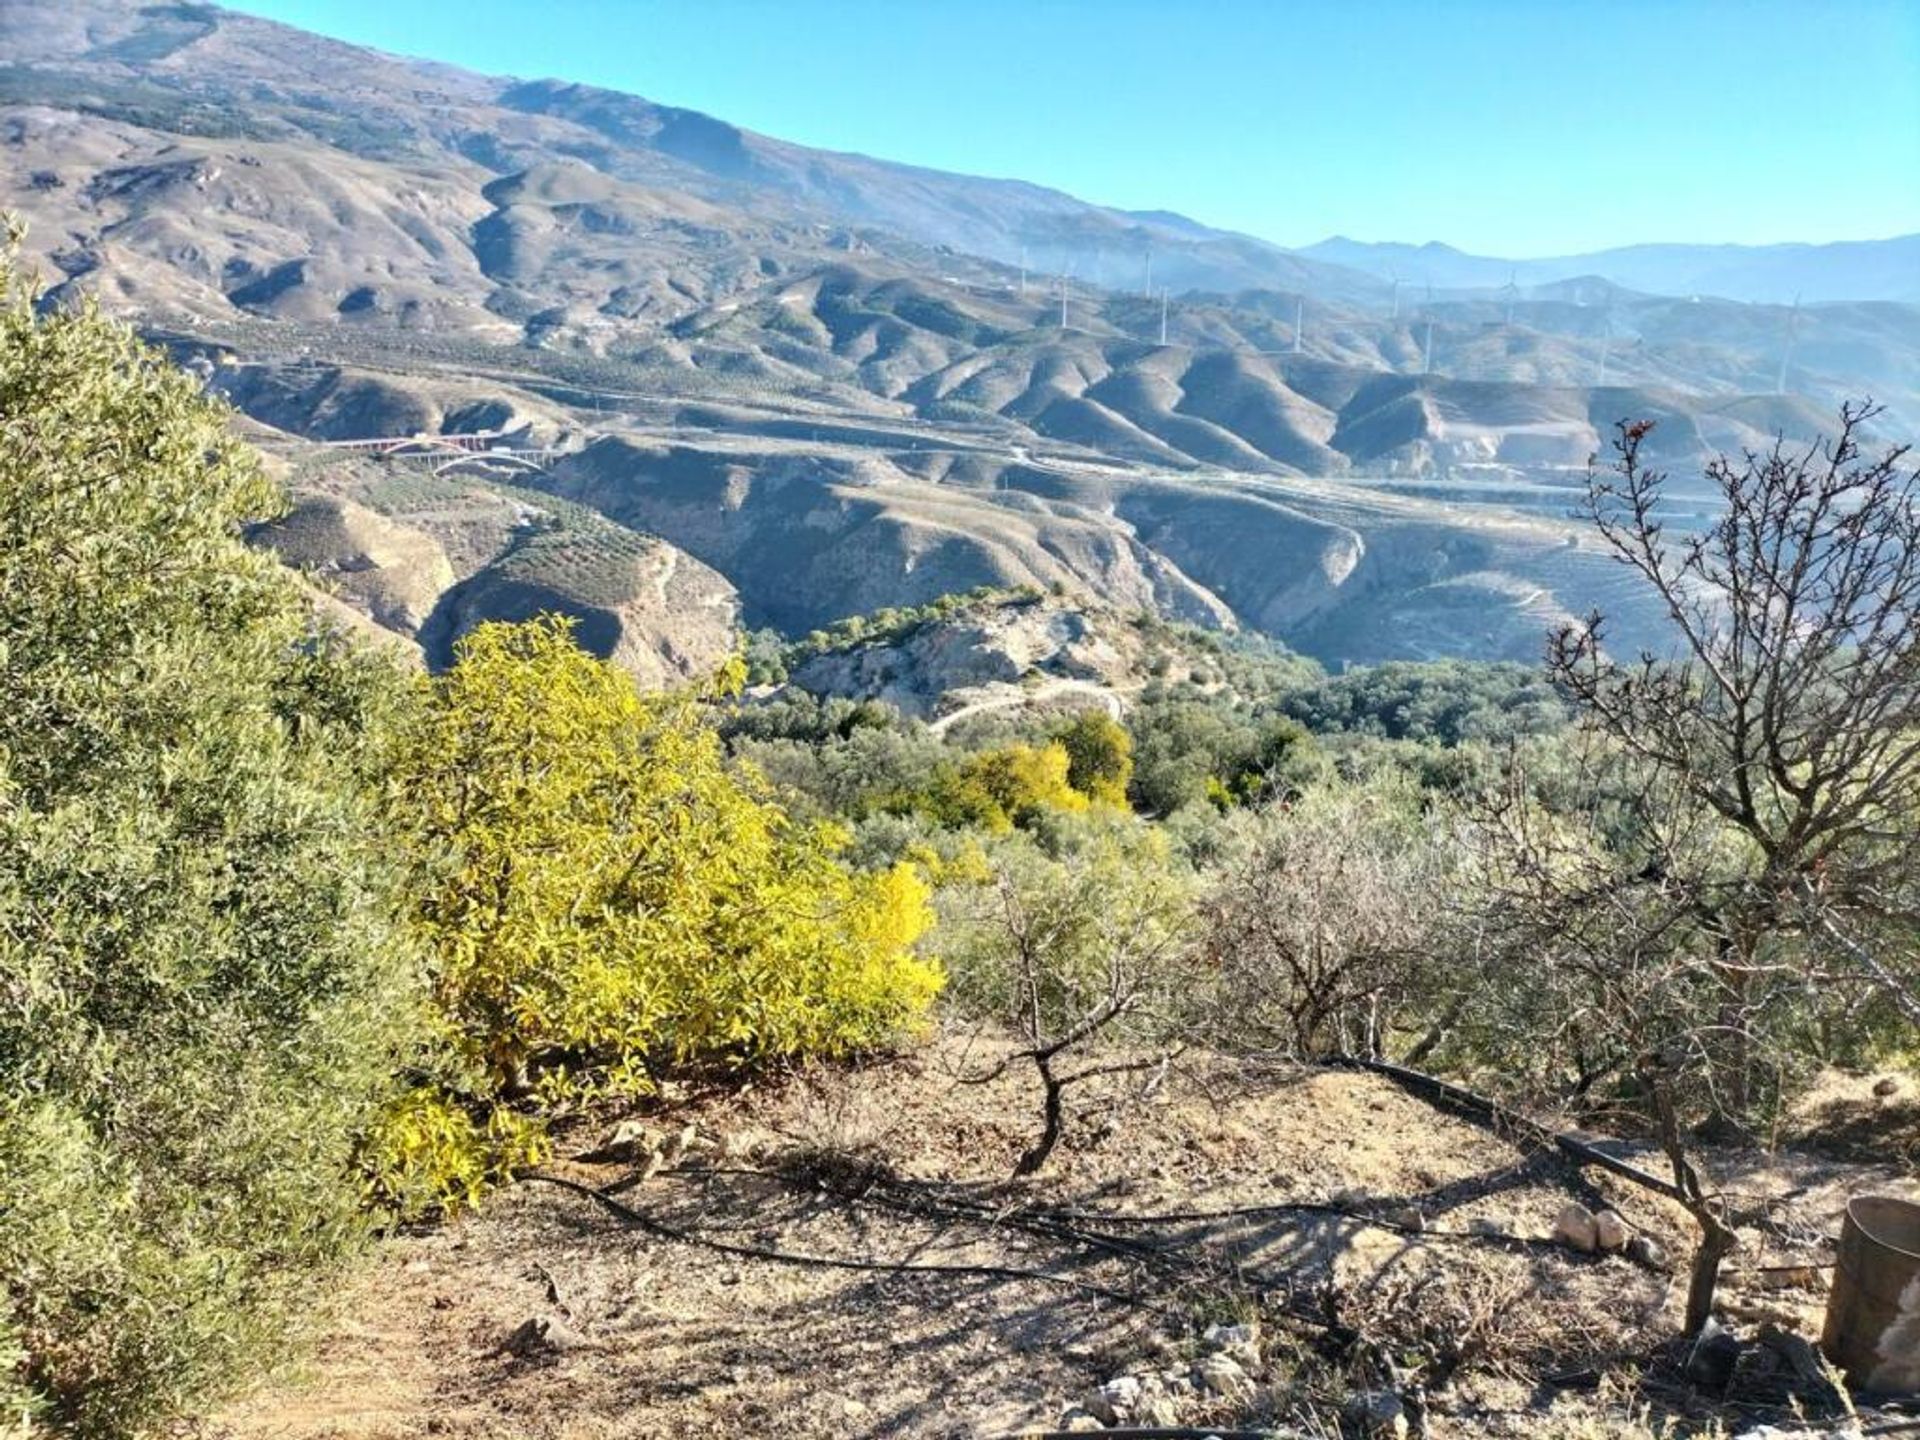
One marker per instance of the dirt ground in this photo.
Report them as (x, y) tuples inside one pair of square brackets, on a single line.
[(636, 1334)]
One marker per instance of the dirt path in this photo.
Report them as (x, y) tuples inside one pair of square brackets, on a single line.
[(651, 1338), (1104, 695)]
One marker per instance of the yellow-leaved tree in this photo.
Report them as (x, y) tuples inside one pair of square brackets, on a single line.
[(608, 897)]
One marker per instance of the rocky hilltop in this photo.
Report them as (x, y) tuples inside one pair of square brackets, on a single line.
[(1005, 652)]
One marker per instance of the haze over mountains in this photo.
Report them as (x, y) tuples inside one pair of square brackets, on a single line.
[(830, 383), (1769, 274)]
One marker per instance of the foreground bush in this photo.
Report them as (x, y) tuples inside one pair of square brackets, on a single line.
[(607, 897), (199, 989)]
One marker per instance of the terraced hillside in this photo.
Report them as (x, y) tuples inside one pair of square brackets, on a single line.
[(824, 384), (430, 557)]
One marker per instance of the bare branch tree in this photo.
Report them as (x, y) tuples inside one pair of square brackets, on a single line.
[(1793, 708), (1325, 926), (1744, 833)]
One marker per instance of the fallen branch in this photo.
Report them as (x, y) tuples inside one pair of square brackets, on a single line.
[(656, 1226)]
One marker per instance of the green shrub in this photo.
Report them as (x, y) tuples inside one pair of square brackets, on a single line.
[(200, 991)]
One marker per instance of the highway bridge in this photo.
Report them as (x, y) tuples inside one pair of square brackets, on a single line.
[(474, 448)]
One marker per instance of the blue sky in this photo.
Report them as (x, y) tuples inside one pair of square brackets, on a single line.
[(1502, 127)]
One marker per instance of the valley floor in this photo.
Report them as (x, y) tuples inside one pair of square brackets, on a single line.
[(637, 1334)]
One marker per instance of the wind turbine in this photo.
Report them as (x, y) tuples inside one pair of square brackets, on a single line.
[(1426, 362), (1391, 275), (1606, 334), (1512, 291), (1147, 288), (1786, 355), (1299, 320), (1023, 269), (1164, 294)]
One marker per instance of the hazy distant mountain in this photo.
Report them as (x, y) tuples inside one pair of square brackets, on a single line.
[(1771, 274), (794, 385)]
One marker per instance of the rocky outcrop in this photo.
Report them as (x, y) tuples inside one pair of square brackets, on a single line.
[(1050, 652)]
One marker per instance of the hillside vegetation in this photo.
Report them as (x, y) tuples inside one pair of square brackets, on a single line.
[(296, 943)]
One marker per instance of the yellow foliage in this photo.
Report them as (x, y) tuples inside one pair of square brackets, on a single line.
[(999, 789), (608, 896), (425, 1155), (1100, 757)]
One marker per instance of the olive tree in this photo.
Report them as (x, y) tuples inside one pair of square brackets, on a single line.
[(202, 988), (1327, 929), (1073, 950)]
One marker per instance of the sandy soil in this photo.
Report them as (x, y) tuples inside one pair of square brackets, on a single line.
[(649, 1337)]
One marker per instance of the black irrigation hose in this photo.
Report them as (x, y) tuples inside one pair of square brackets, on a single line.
[(1572, 1146), (1061, 1222), (665, 1231)]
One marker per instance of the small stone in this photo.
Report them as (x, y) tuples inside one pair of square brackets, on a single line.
[(630, 1141), (674, 1146), (1157, 1410), (1240, 1341), (1114, 1401), (1486, 1225), (1408, 1217), (541, 1335), (1350, 1198), (1886, 1086), (1610, 1231), (1574, 1227), (1647, 1251), (1075, 1419), (1222, 1375), (1378, 1414)]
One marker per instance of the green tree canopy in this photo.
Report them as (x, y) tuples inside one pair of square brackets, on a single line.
[(200, 992)]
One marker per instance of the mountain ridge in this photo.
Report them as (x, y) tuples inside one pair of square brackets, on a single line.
[(810, 374)]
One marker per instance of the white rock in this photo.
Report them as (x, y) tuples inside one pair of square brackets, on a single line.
[(1647, 1251), (1115, 1400), (1378, 1414), (1574, 1227), (1240, 1341), (1223, 1375), (1610, 1231), (1157, 1410), (630, 1141), (542, 1335)]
